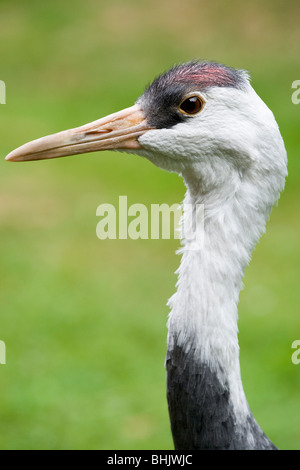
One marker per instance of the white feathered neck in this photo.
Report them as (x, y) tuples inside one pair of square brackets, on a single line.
[(203, 317)]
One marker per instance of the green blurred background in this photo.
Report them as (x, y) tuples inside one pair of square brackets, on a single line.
[(84, 320)]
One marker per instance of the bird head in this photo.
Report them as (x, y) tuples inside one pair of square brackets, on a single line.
[(202, 120)]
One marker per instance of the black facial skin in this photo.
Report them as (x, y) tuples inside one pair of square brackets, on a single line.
[(161, 100), (160, 105)]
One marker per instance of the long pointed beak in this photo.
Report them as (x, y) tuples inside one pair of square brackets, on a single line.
[(116, 131)]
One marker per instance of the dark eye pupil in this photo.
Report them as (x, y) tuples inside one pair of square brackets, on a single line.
[(191, 105)]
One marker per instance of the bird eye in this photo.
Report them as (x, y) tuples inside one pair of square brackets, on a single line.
[(191, 105)]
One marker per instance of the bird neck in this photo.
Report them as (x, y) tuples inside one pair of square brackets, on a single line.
[(204, 381)]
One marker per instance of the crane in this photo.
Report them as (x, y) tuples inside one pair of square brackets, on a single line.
[(204, 121)]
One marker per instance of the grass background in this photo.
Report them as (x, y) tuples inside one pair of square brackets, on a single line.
[(84, 320)]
